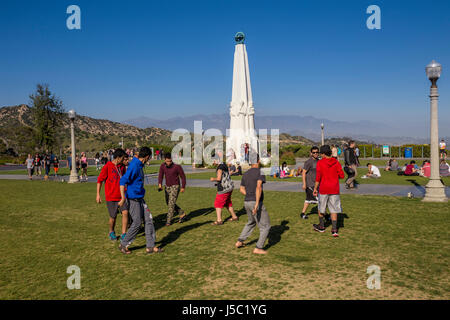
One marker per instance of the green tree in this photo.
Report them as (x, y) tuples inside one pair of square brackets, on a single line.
[(47, 112)]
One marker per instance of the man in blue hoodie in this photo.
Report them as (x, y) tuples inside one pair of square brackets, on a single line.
[(138, 210)]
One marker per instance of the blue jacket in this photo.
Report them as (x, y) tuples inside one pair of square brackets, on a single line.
[(134, 179)]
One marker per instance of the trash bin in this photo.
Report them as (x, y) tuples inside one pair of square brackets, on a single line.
[(408, 152)]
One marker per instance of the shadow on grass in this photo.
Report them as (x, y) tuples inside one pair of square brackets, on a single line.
[(340, 220), (274, 236), (172, 236)]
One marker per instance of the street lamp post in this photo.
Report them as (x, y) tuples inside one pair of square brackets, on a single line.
[(323, 139), (73, 173), (435, 190)]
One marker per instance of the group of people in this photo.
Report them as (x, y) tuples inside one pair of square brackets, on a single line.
[(124, 192), (41, 162)]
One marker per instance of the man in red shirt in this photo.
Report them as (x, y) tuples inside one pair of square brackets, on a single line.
[(111, 173), (328, 173), (172, 173)]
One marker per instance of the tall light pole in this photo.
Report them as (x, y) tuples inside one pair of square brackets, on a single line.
[(435, 190), (73, 173), (323, 138)]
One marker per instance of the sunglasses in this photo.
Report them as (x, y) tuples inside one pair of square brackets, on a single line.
[(315, 152)]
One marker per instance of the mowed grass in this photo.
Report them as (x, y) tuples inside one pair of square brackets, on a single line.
[(92, 171), (47, 226), (387, 177)]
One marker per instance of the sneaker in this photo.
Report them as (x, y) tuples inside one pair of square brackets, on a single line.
[(123, 249), (122, 236), (318, 228), (303, 216), (112, 236), (334, 233)]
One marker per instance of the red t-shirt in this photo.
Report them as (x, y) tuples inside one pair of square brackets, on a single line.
[(409, 169), (328, 173), (111, 174)]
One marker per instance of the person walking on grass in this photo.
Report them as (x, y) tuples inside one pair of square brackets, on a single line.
[(30, 166), (138, 209), (84, 165), (328, 173), (172, 173), (110, 175), (225, 188), (309, 178), (350, 165), (252, 188), (37, 164), (56, 165), (47, 165)]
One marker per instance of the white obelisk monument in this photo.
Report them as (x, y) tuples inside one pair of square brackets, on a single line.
[(242, 122)]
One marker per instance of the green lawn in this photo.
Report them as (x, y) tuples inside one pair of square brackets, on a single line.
[(47, 226), (387, 177), (92, 171)]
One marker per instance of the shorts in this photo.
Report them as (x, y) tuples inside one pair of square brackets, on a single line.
[(114, 205), (84, 165), (332, 201), (310, 198), (223, 200), (56, 169)]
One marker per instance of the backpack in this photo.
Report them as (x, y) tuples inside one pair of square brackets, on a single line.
[(226, 182)]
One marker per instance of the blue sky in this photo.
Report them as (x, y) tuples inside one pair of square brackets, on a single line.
[(168, 58)]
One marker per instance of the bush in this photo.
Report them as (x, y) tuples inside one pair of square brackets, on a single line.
[(288, 157)]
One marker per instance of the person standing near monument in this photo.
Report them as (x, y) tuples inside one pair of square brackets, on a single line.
[(225, 188), (134, 180), (252, 189), (309, 179), (350, 165), (30, 165), (172, 173), (328, 173)]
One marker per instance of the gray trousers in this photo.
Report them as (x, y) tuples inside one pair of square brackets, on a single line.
[(351, 179), (138, 213), (261, 218)]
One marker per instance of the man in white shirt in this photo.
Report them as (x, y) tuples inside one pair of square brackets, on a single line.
[(374, 172)]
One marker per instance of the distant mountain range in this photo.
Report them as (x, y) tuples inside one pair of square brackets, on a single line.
[(305, 126)]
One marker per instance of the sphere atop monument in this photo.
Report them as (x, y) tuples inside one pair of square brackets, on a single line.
[(239, 37)]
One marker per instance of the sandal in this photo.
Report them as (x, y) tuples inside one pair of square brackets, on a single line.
[(124, 250), (182, 219), (234, 219), (150, 251), (217, 223)]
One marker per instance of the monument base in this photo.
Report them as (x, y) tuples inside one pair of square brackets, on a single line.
[(435, 192)]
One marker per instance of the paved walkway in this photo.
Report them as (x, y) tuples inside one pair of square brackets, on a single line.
[(363, 189)]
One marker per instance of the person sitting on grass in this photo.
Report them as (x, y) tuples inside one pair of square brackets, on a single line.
[(392, 165), (326, 187), (373, 173), (444, 169), (285, 172), (425, 171), (236, 170), (411, 169)]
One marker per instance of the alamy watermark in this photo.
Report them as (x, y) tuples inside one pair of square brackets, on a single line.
[(74, 281), (74, 20), (374, 280), (374, 20)]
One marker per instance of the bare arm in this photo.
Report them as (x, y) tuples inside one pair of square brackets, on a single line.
[(122, 194), (258, 196), (242, 190), (219, 176), (99, 187)]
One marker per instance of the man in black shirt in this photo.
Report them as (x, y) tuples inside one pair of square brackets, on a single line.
[(309, 178), (251, 187), (350, 165)]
